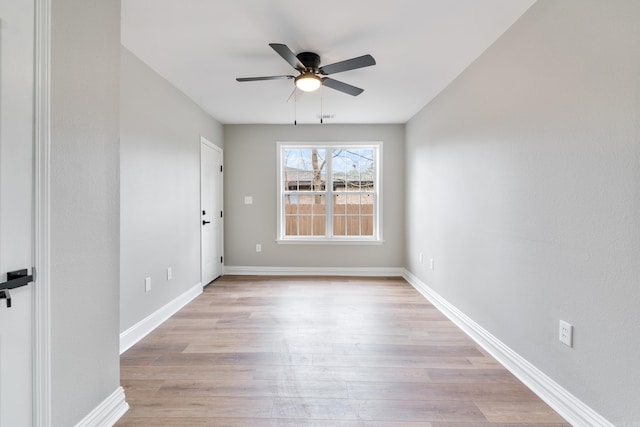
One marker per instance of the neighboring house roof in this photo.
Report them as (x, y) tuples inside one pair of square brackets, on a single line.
[(301, 175), (354, 176)]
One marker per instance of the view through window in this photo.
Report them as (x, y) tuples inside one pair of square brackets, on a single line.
[(329, 192)]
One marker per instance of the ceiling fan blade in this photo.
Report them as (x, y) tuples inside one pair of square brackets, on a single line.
[(349, 64), (284, 51), (255, 79), (342, 87)]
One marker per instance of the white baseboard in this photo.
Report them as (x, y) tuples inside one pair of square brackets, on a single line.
[(138, 331), (314, 271), (562, 401), (108, 412)]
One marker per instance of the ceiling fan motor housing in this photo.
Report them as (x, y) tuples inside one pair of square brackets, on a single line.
[(310, 60)]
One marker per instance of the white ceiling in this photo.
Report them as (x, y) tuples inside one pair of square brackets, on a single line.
[(420, 46)]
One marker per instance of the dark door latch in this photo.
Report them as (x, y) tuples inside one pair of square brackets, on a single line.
[(15, 279), (4, 294)]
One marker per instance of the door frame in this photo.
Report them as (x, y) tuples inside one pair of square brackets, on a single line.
[(42, 398), (205, 141)]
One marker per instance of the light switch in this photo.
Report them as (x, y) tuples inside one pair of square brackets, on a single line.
[(248, 200)]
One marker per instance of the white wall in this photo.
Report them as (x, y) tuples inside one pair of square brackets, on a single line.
[(160, 189), (250, 170), (522, 184), (84, 240)]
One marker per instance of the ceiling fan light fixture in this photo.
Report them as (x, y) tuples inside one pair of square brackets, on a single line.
[(308, 82)]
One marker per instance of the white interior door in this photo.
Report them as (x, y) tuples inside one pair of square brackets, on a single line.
[(16, 209), (212, 218)]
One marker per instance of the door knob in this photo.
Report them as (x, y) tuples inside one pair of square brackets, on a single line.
[(205, 222)]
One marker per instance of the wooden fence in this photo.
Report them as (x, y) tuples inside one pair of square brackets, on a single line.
[(308, 219)]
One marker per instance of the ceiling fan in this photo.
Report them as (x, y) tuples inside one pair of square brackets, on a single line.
[(312, 75)]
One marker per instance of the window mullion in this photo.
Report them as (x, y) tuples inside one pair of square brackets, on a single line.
[(282, 220), (329, 190)]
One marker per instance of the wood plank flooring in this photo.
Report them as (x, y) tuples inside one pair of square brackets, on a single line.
[(300, 351)]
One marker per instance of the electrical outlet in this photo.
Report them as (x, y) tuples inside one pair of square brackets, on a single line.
[(431, 264), (147, 284), (258, 247), (565, 333), (169, 273)]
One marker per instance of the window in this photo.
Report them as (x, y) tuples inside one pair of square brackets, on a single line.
[(329, 192)]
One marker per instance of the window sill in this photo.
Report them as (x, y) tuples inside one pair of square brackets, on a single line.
[(328, 242)]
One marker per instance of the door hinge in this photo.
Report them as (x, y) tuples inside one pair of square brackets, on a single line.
[(220, 168), (221, 260), (220, 214)]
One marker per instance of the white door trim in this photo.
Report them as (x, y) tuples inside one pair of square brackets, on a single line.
[(41, 288)]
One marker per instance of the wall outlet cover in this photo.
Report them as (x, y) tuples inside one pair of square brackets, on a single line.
[(565, 333)]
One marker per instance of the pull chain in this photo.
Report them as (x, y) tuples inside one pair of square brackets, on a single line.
[(321, 93)]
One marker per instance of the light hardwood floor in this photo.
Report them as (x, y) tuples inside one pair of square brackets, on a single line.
[(300, 351)]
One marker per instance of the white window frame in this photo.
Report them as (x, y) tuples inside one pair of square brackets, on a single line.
[(329, 238)]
